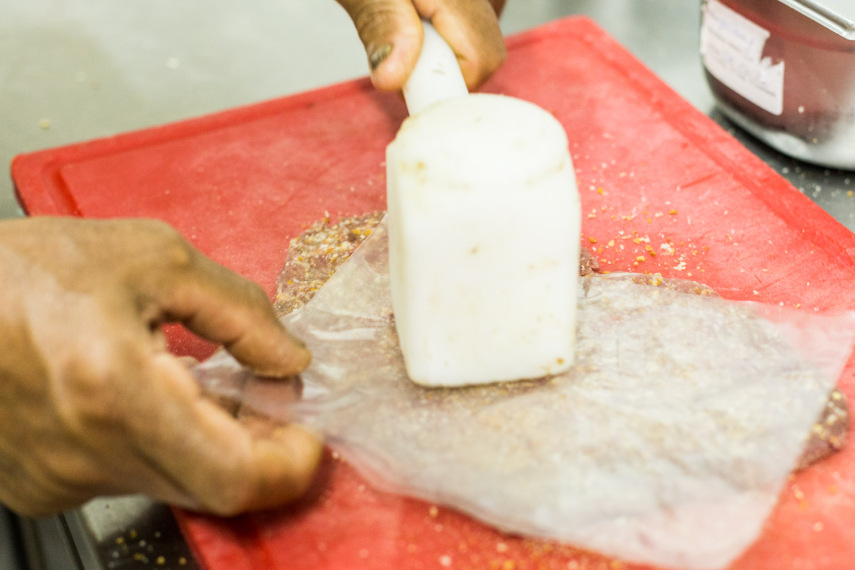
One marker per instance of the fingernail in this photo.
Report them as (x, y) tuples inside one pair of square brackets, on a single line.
[(379, 55)]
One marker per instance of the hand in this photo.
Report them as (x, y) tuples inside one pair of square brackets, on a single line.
[(91, 401), (392, 34)]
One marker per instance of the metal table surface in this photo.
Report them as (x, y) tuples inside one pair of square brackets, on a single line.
[(72, 70)]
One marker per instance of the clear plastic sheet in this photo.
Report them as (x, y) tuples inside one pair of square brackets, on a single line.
[(667, 443)]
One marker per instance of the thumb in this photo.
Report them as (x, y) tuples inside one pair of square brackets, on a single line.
[(219, 464), (391, 32)]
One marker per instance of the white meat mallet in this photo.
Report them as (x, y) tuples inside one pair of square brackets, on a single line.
[(484, 230)]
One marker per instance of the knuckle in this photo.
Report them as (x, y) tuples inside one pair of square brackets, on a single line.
[(94, 394), (164, 245), (178, 257), (72, 475), (231, 496), (88, 397), (257, 297), (172, 248)]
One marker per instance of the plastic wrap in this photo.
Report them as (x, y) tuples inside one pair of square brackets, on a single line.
[(667, 443)]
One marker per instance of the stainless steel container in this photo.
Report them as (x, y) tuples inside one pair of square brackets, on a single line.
[(784, 70)]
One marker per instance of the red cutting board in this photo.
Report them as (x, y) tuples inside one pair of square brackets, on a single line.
[(663, 188)]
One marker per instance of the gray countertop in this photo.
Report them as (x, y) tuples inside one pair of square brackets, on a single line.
[(72, 70)]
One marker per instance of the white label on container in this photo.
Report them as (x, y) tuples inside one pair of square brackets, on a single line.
[(732, 50)]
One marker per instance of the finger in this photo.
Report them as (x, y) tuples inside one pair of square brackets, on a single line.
[(223, 307), (391, 32), (255, 468), (296, 448), (216, 460), (472, 30)]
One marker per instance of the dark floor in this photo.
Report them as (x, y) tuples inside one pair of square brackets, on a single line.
[(10, 542)]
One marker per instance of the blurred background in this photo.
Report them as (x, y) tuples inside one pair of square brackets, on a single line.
[(73, 70)]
